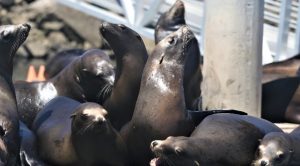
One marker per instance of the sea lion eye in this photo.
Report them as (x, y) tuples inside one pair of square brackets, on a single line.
[(123, 27), (83, 117), (2, 132), (171, 40), (5, 35), (178, 151)]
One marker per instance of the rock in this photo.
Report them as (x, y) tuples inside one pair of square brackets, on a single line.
[(38, 49), (7, 3), (57, 38), (88, 27), (53, 26)]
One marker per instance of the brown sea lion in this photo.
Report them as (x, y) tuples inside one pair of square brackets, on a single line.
[(11, 37), (168, 23), (71, 133), (28, 150), (220, 139), (88, 78), (160, 109), (279, 149), (131, 56)]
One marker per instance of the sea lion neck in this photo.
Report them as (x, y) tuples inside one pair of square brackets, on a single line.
[(75, 90)]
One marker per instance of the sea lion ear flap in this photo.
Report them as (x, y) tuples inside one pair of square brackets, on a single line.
[(73, 116), (291, 151)]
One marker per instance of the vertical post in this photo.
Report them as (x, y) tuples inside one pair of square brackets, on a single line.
[(283, 29), (297, 43), (233, 55)]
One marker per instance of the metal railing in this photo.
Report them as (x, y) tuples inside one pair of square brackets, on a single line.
[(281, 28)]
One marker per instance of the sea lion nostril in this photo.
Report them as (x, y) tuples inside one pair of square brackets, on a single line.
[(263, 163), (26, 26)]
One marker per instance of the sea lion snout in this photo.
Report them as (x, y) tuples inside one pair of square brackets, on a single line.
[(263, 163), (25, 26)]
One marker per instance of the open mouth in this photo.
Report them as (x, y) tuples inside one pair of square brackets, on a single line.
[(158, 161)]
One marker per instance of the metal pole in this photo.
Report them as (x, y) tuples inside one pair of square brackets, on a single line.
[(297, 43), (233, 55), (283, 31)]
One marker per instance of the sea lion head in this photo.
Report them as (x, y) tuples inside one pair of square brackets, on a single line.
[(173, 151), (96, 75), (89, 118), (275, 149), (12, 36), (121, 38), (175, 46), (170, 21)]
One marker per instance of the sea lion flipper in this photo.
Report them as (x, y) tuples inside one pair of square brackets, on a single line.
[(28, 152), (276, 96), (198, 116)]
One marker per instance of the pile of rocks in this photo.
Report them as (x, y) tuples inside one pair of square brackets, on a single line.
[(49, 33)]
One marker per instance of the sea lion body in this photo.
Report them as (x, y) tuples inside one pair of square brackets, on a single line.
[(131, 56), (220, 139), (88, 78), (60, 61), (70, 133), (282, 69), (279, 149), (11, 37), (168, 23), (160, 108), (28, 150)]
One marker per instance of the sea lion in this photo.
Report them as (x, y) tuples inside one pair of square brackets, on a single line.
[(279, 149), (160, 108), (131, 56), (11, 37), (276, 96), (283, 69), (169, 22), (70, 133), (28, 149), (60, 61), (88, 78), (220, 139)]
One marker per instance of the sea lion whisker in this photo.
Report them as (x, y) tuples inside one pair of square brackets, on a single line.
[(99, 95)]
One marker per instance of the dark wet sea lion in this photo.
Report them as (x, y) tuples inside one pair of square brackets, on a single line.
[(276, 96), (282, 69), (279, 149), (60, 61), (71, 133), (11, 37), (168, 23), (87, 78), (131, 56), (28, 149), (160, 108), (220, 139)]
